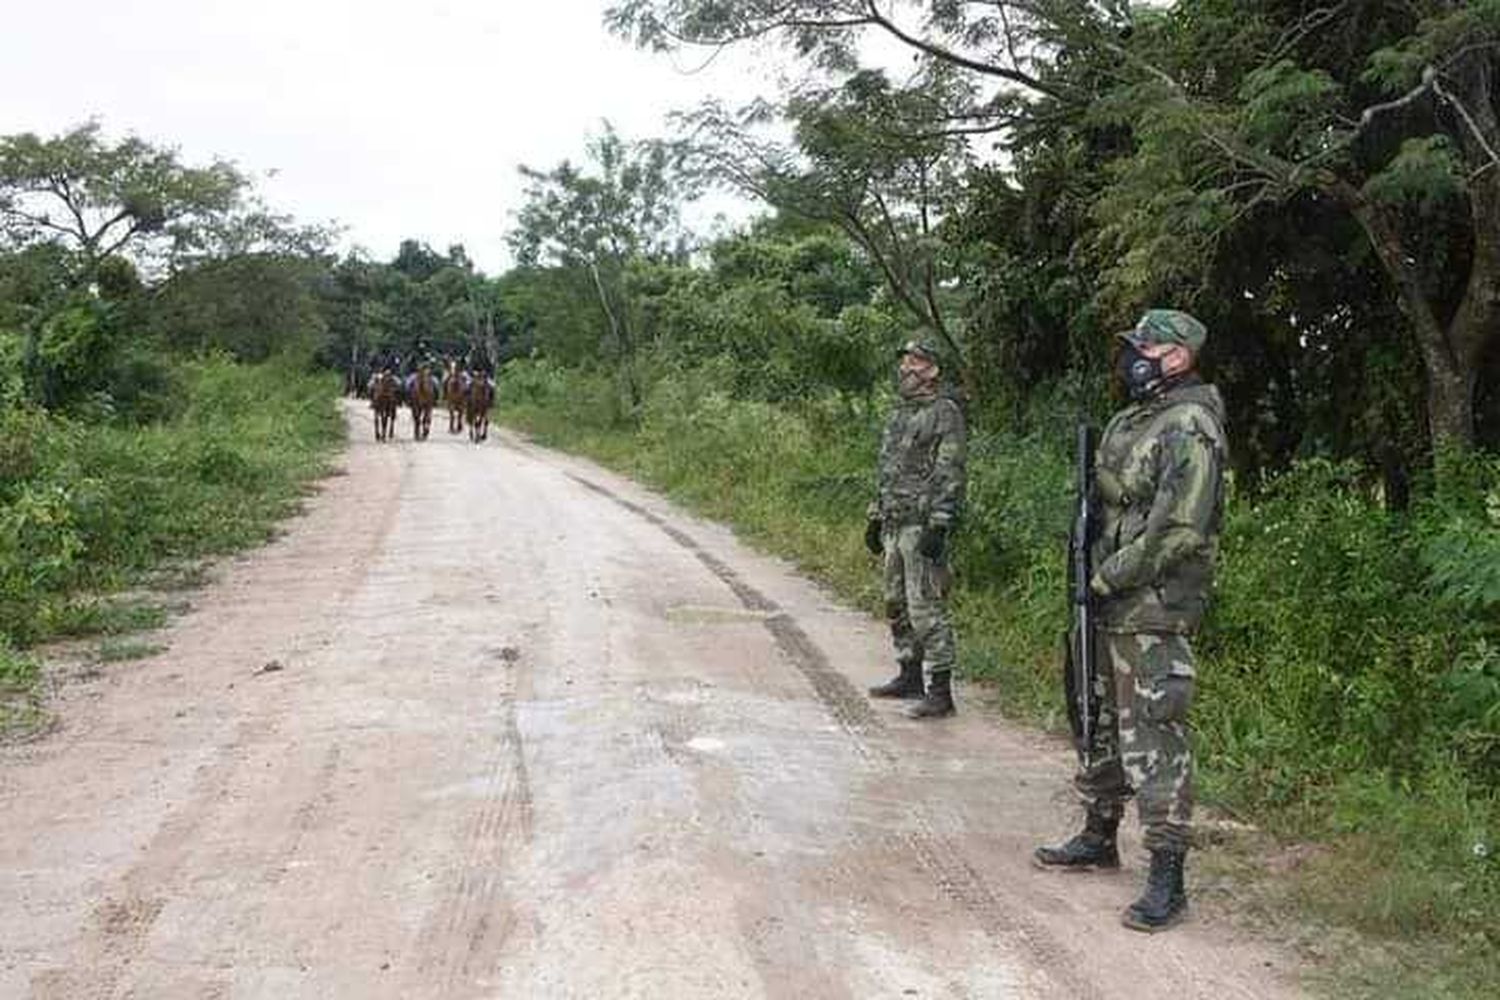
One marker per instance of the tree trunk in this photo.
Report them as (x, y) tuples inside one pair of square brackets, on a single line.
[(622, 337), (1476, 323), (1450, 354)]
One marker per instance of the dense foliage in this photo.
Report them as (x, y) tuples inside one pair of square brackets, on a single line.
[(132, 437)]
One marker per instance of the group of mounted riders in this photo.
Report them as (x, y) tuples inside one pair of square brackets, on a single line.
[(467, 391)]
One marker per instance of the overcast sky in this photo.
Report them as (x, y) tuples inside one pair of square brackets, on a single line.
[(395, 119)]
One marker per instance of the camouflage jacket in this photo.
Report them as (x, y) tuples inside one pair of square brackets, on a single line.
[(921, 471), (1160, 481)]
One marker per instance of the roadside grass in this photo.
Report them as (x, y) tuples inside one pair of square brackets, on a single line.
[(21, 712), (116, 650), (92, 615), (1322, 721), (94, 513)]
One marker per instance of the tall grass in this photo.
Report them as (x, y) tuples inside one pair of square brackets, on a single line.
[(1350, 669), (87, 506)]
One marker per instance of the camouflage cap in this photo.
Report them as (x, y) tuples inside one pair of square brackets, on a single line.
[(1167, 326), (922, 348)]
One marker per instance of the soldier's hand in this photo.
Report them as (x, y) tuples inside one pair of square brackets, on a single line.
[(872, 536), (934, 542)]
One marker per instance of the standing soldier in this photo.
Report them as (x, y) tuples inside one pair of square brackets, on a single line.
[(1159, 476), (921, 491)]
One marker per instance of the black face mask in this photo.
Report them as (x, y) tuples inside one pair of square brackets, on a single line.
[(1141, 375)]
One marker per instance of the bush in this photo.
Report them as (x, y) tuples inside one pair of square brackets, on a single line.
[(87, 504), (39, 549)]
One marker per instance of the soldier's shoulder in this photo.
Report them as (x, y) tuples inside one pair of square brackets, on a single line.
[(1197, 413), (948, 409)]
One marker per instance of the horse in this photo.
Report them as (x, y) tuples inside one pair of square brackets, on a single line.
[(384, 390), (421, 396), (455, 394), (481, 397)]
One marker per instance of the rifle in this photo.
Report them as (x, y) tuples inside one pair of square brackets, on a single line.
[(1080, 668)]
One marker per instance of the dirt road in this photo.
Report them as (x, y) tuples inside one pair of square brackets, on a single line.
[(493, 722)]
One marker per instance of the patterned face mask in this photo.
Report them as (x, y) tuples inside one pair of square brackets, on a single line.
[(1141, 375)]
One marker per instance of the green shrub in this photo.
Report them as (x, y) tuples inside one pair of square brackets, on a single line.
[(20, 703), (39, 549), (90, 503)]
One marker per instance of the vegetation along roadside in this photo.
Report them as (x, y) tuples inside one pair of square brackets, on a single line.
[(88, 508)]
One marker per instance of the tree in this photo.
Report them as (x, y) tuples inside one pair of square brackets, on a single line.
[(1235, 113), (100, 198), (852, 166), (596, 223), (251, 305), (1006, 47), (1391, 115)]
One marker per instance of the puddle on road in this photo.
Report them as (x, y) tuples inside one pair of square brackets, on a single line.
[(697, 614)]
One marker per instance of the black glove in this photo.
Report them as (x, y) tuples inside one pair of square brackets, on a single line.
[(934, 542), (872, 536)]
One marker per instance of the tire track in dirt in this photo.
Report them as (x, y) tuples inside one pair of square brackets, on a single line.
[(465, 934), (307, 815), (938, 854), (122, 922), (843, 701)]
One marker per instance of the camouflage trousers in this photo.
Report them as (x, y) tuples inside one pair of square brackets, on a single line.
[(916, 601), (1141, 744)]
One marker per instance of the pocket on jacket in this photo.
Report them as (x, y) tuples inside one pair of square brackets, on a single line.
[(1171, 699)]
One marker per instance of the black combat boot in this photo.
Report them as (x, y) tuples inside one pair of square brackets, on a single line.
[(1165, 900), (906, 684), (1093, 848), (938, 701)]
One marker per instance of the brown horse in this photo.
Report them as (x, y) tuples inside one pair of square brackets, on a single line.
[(455, 396), (480, 398), (384, 396), (421, 396)]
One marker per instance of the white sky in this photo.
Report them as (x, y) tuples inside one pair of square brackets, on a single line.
[(396, 119)]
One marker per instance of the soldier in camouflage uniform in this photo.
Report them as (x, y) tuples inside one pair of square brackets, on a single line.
[(921, 491), (1159, 474)]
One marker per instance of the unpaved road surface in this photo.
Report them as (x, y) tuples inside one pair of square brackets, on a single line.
[(528, 731)]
